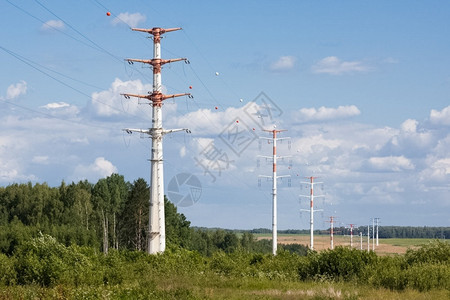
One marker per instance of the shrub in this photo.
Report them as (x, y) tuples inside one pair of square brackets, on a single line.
[(339, 264), (7, 271), (46, 262), (424, 277), (283, 266), (388, 272), (299, 249), (113, 267), (433, 252), (224, 264)]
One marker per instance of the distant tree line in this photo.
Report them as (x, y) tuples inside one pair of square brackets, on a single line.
[(411, 232), (112, 213)]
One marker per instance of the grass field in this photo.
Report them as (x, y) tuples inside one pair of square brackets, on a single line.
[(322, 242), (183, 274), (215, 287)]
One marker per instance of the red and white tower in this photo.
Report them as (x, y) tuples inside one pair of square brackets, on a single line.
[(157, 230), (274, 177), (311, 209)]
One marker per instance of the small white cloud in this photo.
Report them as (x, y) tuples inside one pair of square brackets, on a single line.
[(101, 168), (12, 169), (131, 20), (183, 151), (56, 105), (62, 109), (78, 140), (212, 121), (390, 60), (438, 171), (409, 126), (40, 159), (15, 90), (440, 117), (52, 25), (110, 103), (316, 144), (326, 113), (334, 66), (391, 163), (284, 63)]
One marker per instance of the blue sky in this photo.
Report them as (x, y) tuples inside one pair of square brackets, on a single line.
[(362, 87)]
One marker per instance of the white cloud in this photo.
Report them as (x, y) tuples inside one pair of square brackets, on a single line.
[(43, 159), (211, 121), (443, 165), (202, 143), (357, 162), (409, 126), (183, 151), (391, 163), (62, 109), (131, 20), (316, 144), (284, 63), (11, 160), (15, 90), (440, 117), (326, 113), (14, 175), (78, 140), (110, 103), (99, 169), (52, 25), (390, 60), (437, 170), (334, 66), (55, 105), (411, 140)]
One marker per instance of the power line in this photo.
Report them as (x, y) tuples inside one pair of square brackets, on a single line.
[(92, 44), (53, 27), (32, 65), (54, 117), (77, 31)]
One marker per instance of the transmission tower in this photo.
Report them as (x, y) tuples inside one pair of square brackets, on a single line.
[(377, 221), (351, 235), (274, 178), (157, 230), (331, 221), (373, 234), (311, 209), (360, 241)]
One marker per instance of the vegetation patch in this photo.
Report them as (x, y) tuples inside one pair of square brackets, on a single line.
[(85, 241)]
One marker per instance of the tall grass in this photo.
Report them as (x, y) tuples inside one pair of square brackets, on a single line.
[(43, 268)]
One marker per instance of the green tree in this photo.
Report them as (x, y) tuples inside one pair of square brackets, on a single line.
[(134, 217), (177, 226), (119, 189), (230, 242), (101, 202)]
